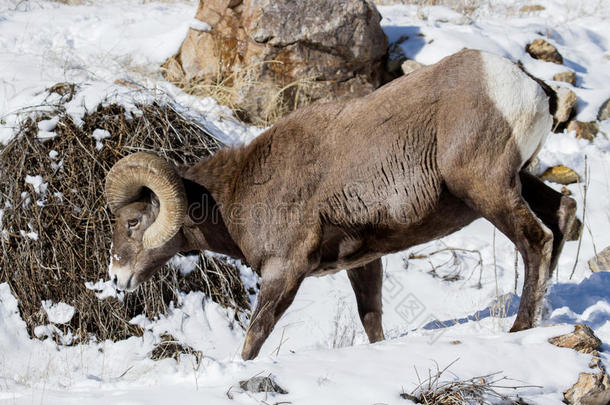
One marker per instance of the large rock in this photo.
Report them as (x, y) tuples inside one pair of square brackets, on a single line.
[(584, 130), (541, 49), (600, 262), (296, 50), (582, 339)]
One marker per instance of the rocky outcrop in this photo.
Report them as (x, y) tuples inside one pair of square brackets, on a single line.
[(591, 388), (601, 261), (541, 49), (315, 50)]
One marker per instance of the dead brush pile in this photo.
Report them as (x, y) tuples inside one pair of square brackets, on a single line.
[(56, 236)]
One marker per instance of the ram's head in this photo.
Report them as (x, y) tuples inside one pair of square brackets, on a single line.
[(147, 197)]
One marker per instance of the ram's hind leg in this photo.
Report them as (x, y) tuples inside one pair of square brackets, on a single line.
[(497, 197), (555, 210), (367, 282)]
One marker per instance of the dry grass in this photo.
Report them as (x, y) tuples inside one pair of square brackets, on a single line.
[(480, 390), (74, 226), (272, 101)]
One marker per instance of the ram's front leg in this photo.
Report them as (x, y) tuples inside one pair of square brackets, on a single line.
[(279, 285)]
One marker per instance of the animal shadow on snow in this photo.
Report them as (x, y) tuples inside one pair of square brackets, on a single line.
[(586, 302)]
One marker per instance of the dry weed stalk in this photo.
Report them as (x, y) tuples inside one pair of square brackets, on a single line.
[(480, 390)]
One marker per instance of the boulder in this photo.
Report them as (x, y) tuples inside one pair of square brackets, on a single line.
[(409, 66), (541, 49), (566, 100), (601, 261), (584, 130), (567, 77), (604, 111), (582, 339), (560, 174), (294, 50)]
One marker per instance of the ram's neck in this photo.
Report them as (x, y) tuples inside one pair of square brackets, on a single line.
[(209, 185), (218, 173)]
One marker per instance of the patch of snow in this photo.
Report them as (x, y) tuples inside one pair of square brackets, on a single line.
[(30, 235), (40, 187), (59, 312), (48, 125), (185, 263), (199, 25), (105, 289), (100, 134), (53, 154)]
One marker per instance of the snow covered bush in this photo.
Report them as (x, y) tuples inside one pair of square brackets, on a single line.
[(57, 229)]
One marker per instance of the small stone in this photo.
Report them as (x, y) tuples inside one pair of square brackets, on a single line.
[(541, 49), (261, 384), (531, 8), (565, 191), (582, 339), (568, 77), (566, 100), (560, 174), (410, 66), (600, 262), (590, 389), (604, 111), (584, 130)]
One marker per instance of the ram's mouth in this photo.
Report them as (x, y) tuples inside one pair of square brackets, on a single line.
[(124, 278)]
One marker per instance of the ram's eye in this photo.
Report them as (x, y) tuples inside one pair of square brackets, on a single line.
[(132, 223)]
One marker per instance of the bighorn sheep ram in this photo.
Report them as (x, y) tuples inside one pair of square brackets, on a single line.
[(337, 186)]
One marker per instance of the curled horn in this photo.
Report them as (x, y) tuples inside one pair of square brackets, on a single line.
[(124, 183)]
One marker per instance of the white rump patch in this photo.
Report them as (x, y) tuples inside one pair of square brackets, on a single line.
[(522, 102)]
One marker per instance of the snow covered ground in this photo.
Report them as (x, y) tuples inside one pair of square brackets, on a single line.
[(318, 351)]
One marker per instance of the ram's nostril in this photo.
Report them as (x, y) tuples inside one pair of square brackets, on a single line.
[(115, 278)]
